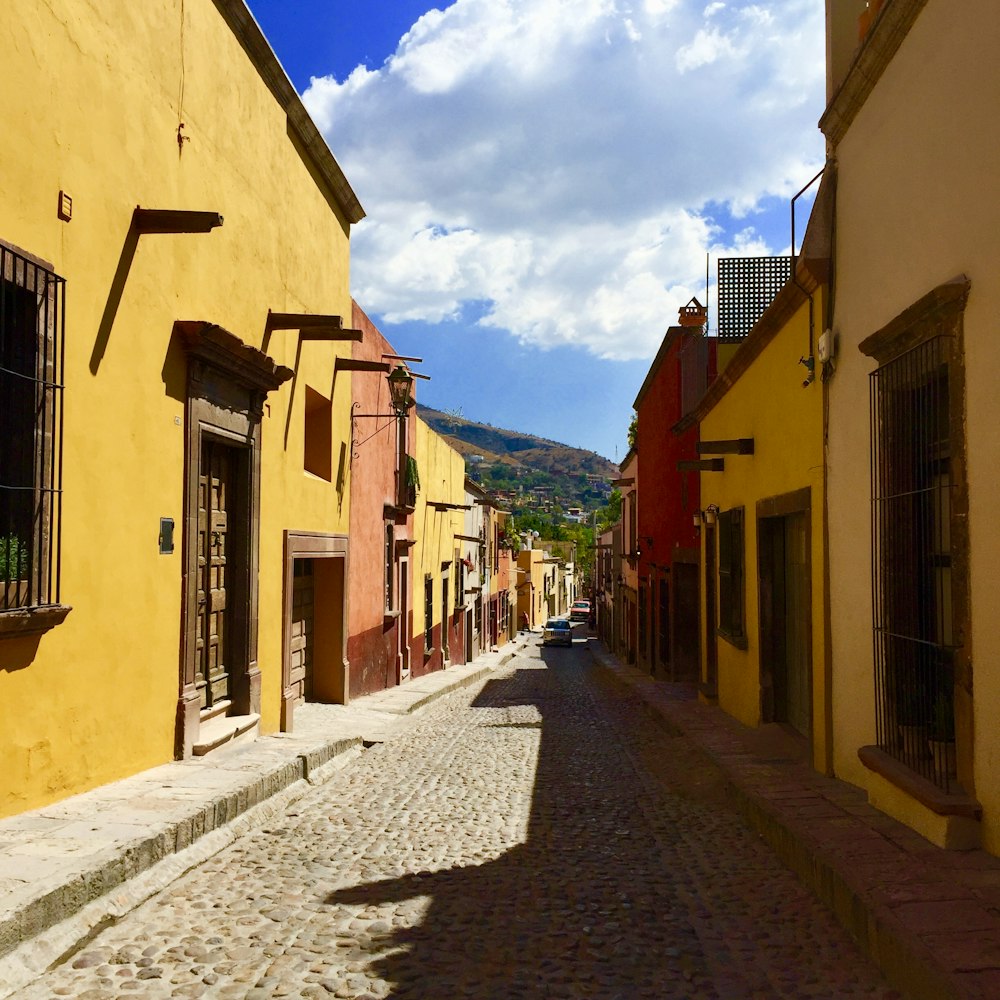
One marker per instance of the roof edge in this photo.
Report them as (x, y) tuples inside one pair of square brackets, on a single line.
[(250, 36)]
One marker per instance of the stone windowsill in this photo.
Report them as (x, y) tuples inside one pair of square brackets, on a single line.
[(32, 621), (956, 803)]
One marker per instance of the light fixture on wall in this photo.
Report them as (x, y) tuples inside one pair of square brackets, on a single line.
[(696, 519), (400, 386), (711, 514)]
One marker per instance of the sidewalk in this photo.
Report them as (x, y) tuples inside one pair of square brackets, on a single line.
[(929, 918), (71, 868)]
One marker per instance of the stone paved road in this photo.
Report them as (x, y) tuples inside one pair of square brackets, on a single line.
[(537, 837)]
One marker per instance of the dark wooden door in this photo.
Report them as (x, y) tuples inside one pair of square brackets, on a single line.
[(785, 611), (685, 634), (216, 484), (302, 642), (795, 691)]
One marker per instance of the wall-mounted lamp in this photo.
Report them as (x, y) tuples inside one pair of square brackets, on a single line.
[(400, 390), (696, 518), (711, 514)]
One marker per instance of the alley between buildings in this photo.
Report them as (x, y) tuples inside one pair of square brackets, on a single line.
[(537, 835)]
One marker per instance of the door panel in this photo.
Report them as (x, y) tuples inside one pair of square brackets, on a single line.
[(797, 614), (215, 486), (303, 630)]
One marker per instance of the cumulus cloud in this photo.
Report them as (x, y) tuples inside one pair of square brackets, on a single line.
[(556, 162)]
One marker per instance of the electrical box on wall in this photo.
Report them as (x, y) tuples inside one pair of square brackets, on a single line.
[(824, 347)]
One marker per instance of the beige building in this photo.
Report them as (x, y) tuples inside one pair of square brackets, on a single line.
[(913, 124)]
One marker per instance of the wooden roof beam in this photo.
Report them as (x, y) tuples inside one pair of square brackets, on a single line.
[(734, 446)]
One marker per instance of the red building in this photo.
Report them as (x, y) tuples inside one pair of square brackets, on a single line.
[(379, 584), (667, 539)]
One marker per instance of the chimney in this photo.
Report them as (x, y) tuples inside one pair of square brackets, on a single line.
[(693, 314)]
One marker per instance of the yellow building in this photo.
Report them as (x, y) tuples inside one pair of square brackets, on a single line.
[(914, 124), (173, 432), (761, 434), (535, 578), (438, 520)]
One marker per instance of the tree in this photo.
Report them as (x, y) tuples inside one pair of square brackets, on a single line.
[(610, 513)]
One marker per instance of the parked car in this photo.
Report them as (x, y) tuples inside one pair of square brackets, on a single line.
[(580, 612), (558, 631)]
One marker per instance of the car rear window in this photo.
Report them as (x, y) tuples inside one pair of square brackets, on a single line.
[(557, 623)]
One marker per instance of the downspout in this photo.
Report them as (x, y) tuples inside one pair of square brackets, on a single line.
[(810, 359)]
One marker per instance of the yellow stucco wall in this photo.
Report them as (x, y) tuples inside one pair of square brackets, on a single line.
[(531, 587), (914, 210), (102, 89), (769, 404), (442, 479)]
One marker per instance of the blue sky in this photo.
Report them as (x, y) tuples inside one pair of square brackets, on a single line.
[(544, 178)]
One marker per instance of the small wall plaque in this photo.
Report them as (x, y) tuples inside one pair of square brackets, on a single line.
[(166, 535)]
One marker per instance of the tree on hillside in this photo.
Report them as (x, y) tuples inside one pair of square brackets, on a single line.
[(611, 512)]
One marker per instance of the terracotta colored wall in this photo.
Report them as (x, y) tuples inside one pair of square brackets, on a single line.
[(373, 638)]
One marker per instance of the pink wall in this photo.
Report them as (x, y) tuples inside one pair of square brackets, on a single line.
[(373, 638)]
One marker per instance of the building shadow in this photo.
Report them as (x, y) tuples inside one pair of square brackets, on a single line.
[(584, 907)]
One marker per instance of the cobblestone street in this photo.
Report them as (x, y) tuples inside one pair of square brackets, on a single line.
[(536, 836)]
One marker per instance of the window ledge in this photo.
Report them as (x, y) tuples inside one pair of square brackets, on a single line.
[(390, 615), (739, 641), (925, 792), (32, 621)]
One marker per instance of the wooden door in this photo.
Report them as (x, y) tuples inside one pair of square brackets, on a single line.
[(302, 630), (796, 693), (216, 483), (785, 625), (685, 633)]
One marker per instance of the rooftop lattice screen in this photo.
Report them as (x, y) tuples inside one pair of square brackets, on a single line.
[(746, 287)]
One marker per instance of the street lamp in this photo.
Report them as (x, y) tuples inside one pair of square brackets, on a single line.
[(400, 386)]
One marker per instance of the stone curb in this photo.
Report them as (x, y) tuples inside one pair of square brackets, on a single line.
[(906, 961)]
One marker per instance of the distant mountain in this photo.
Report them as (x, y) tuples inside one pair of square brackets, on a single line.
[(519, 462)]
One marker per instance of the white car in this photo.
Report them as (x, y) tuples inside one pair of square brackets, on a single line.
[(558, 632)]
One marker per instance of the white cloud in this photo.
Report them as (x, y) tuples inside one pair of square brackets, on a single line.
[(554, 161)]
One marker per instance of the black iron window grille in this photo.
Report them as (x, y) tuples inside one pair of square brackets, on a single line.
[(912, 612), (746, 287), (389, 560), (31, 416), (428, 614), (731, 571)]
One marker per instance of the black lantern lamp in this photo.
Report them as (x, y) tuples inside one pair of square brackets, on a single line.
[(400, 386)]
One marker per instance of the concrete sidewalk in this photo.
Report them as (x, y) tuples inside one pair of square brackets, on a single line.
[(71, 868), (929, 918)]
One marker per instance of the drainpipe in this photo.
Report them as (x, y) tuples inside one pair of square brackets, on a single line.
[(810, 359)]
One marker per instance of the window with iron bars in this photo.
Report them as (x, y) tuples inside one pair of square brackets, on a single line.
[(731, 572), (31, 371), (428, 614), (912, 487)]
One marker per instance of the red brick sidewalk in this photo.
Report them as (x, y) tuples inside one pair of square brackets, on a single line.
[(929, 918)]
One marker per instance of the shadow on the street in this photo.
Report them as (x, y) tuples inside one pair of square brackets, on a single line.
[(584, 907)]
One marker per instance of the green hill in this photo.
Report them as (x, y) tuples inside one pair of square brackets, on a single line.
[(534, 469)]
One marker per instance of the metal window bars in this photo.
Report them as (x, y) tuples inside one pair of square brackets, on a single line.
[(32, 347), (912, 609)]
